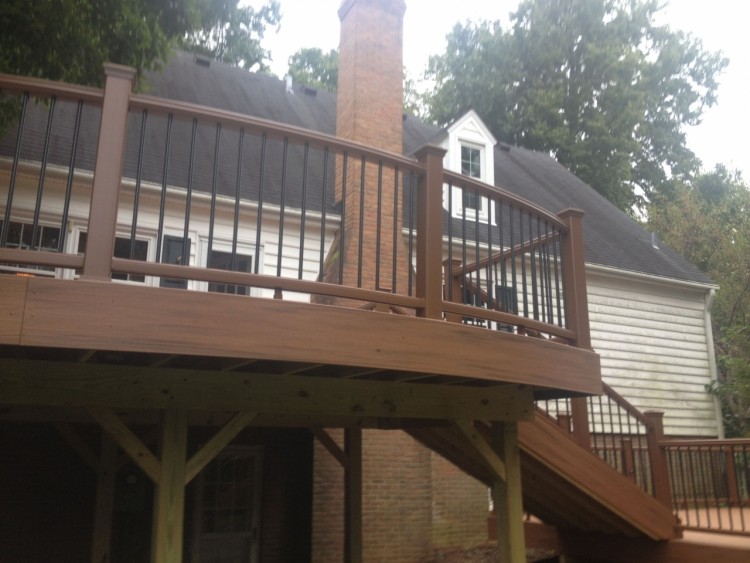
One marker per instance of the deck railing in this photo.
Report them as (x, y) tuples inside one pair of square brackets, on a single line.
[(710, 481), (705, 482), (200, 198)]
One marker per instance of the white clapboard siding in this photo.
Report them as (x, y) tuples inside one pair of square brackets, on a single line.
[(652, 341)]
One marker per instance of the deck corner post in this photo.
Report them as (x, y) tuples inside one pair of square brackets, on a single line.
[(574, 276), (507, 496), (430, 232), (169, 509), (97, 261), (657, 458)]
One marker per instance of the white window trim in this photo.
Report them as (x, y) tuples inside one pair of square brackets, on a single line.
[(71, 246)]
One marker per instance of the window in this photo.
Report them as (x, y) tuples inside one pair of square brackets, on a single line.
[(122, 250), (22, 236), (227, 511), (175, 251), (223, 261), (471, 165)]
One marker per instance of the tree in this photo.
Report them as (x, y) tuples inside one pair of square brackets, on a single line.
[(708, 222), (232, 34), (69, 40), (594, 82), (313, 67)]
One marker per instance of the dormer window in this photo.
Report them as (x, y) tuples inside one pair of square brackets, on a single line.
[(469, 150)]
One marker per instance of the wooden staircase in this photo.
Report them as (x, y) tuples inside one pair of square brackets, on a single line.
[(564, 485)]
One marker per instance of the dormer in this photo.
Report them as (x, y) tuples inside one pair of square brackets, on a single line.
[(470, 151)]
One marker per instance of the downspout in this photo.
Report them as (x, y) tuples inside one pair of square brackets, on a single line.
[(713, 370)]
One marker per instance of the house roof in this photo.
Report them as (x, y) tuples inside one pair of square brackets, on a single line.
[(611, 237)]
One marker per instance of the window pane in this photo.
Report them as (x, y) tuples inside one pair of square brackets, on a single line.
[(223, 261), (471, 164)]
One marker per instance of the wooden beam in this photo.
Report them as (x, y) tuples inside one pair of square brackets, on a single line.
[(31, 382), (127, 440), (101, 545), (511, 454), (77, 443), (219, 441), (353, 496), (494, 463), (330, 444), (169, 512)]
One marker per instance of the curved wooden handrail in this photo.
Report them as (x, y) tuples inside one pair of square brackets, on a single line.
[(494, 192), (38, 86), (273, 129), (263, 281)]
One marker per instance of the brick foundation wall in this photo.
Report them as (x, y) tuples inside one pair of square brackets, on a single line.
[(459, 507)]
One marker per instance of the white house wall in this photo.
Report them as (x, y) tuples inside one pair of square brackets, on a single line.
[(655, 349)]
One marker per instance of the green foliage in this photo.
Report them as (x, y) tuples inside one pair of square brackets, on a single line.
[(232, 34), (708, 221), (69, 40), (314, 68), (594, 82)]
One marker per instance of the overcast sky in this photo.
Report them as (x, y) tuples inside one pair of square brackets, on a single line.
[(721, 24)]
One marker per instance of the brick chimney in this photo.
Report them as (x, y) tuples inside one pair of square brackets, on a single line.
[(370, 111), (370, 91)]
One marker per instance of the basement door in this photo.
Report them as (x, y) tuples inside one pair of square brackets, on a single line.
[(227, 509)]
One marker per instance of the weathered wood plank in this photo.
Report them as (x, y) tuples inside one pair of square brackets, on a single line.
[(28, 382), (219, 441), (170, 494), (12, 304), (330, 444), (79, 314), (494, 463), (128, 441), (105, 502)]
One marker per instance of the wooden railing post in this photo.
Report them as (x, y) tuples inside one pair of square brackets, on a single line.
[(100, 243), (579, 411), (452, 288), (733, 490), (574, 276), (657, 458), (430, 232)]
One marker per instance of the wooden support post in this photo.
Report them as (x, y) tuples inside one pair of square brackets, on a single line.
[(353, 496), (659, 469), (733, 489), (101, 545), (97, 262), (579, 410), (507, 495), (574, 277), (430, 228), (169, 511)]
